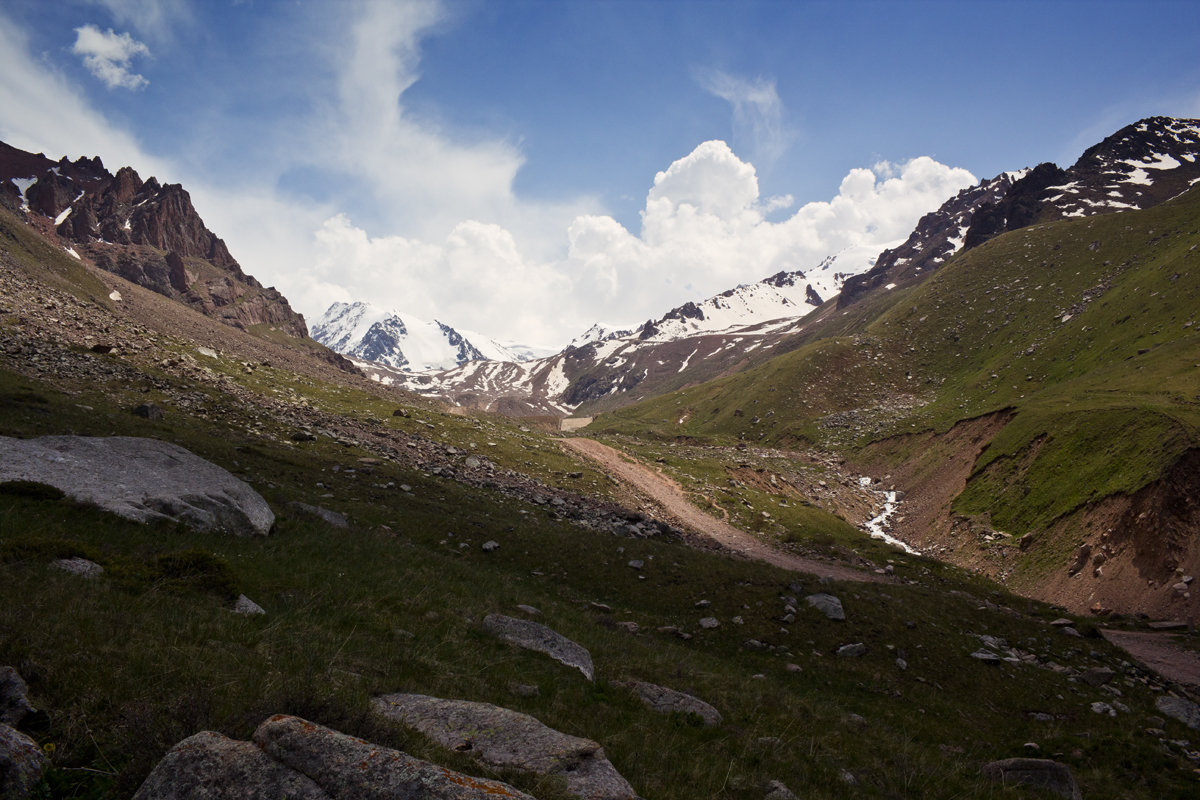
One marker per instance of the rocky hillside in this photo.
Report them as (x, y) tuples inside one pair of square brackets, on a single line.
[(144, 231), (1138, 167)]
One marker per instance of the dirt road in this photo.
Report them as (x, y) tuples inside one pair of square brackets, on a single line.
[(1161, 653), (667, 494)]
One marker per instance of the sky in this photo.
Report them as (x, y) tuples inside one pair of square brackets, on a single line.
[(526, 168)]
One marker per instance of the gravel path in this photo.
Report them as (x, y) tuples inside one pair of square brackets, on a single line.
[(666, 493), (1161, 653)]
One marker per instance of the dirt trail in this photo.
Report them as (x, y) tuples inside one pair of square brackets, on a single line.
[(1161, 653), (667, 494)]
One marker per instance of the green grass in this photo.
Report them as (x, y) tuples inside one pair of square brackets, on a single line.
[(130, 663)]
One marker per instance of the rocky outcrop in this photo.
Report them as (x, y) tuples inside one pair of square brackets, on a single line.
[(539, 638), (139, 479), (503, 738), (293, 758), (146, 232)]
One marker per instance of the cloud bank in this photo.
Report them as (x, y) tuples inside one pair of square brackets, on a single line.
[(704, 230)]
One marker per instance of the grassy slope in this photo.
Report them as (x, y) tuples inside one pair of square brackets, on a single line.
[(129, 664), (1086, 328)]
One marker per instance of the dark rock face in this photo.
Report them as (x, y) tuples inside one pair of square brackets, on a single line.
[(145, 232), (1018, 208), (1139, 166)]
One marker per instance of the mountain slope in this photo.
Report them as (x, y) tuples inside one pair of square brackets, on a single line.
[(1078, 339)]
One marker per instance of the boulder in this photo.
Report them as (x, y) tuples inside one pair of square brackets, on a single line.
[(21, 763), (827, 604), (293, 758), (247, 606), (537, 637), (14, 697), (509, 739), (777, 790), (332, 518), (1041, 773), (78, 566), (139, 479), (665, 700), (209, 766), (1181, 709), (348, 768)]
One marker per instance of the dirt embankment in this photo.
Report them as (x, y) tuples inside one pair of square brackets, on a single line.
[(667, 495), (1130, 554)]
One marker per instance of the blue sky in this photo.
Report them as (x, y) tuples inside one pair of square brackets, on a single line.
[(526, 168)]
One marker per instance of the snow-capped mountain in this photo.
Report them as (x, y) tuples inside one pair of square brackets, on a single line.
[(784, 295), (1139, 166), (404, 342)]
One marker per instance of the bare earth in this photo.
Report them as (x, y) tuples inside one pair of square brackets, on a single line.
[(665, 493), (1161, 653)]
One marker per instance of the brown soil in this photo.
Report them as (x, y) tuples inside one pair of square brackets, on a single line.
[(667, 495), (1161, 653)]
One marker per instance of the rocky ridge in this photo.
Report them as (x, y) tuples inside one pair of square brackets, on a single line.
[(144, 231)]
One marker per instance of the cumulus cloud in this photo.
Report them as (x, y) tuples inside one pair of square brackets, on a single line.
[(757, 113), (704, 230), (108, 54)]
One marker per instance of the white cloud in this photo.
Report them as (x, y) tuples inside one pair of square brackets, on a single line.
[(42, 112), (437, 229), (107, 55), (704, 230), (757, 113)]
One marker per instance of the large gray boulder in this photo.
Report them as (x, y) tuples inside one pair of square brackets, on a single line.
[(1181, 709), (539, 638), (827, 604), (352, 769), (666, 701), (209, 766), (21, 763), (296, 759), (501, 737), (1041, 773), (14, 697), (139, 479)]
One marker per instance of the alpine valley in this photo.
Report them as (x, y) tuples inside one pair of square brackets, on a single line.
[(913, 523)]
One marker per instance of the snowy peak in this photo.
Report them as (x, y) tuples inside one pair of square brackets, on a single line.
[(404, 342), (1139, 166), (784, 295)]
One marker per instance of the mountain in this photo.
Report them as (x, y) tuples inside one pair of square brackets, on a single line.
[(1034, 400), (405, 343), (607, 368), (1138, 167), (145, 232)]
